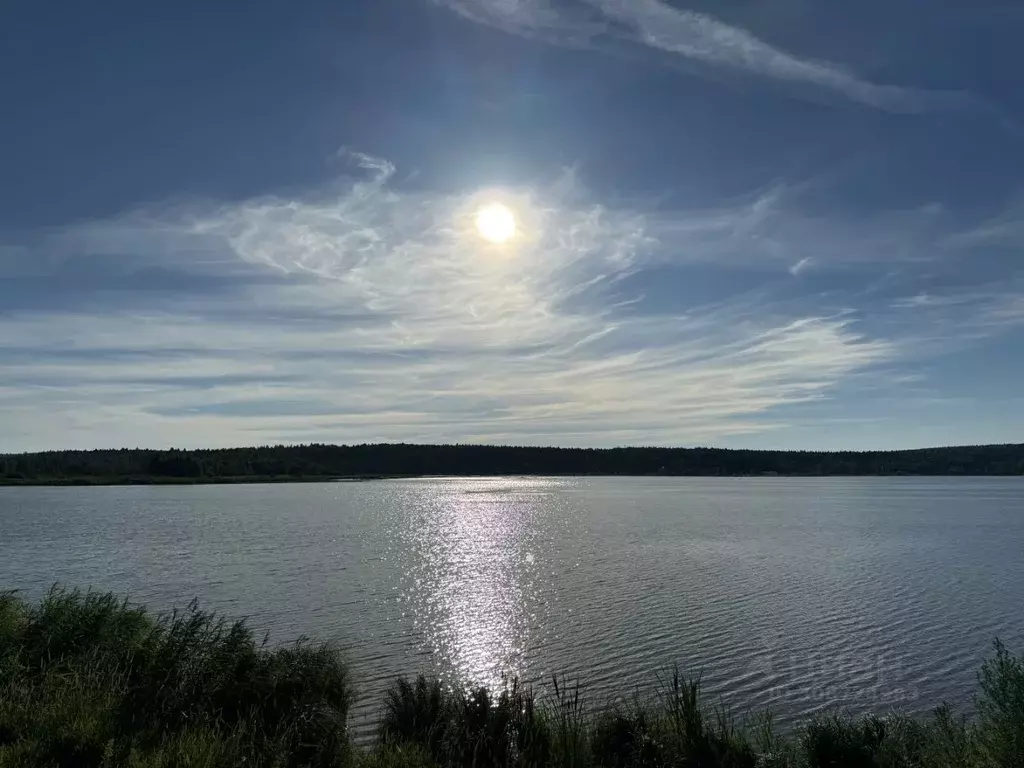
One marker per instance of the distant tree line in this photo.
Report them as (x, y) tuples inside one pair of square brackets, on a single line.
[(319, 461)]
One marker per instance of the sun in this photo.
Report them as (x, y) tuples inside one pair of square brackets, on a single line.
[(496, 223)]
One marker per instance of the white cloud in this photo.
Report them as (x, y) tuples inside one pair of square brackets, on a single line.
[(693, 36), (391, 320), (1003, 230), (801, 266), (703, 38), (958, 317), (1008, 312), (925, 300), (531, 18)]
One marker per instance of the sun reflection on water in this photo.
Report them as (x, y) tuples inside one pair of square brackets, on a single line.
[(474, 579)]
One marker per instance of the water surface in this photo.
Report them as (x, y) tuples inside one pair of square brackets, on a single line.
[(793, 594)]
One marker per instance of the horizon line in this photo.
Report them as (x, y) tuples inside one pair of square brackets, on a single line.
[(510, 446)]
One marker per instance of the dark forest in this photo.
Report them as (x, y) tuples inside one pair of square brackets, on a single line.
[(389, 460)]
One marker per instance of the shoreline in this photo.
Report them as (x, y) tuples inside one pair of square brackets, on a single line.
[(87, 482), (324, 463), (90, 679)]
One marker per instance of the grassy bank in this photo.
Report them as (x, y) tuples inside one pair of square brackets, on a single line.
[(88, 680)]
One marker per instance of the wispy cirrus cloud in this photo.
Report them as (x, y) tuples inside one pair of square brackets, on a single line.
[(801, 266), (532, 18), (371, 312), (695, 37), (1005, 229)]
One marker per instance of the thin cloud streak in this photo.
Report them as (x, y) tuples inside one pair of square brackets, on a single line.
[(697, 37), (801, 266), (535, 19), (702, 38)]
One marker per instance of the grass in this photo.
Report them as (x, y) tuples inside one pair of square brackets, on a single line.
[(89, 680), (86, 679)]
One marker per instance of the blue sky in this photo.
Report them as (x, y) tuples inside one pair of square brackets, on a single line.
[(781, 223)]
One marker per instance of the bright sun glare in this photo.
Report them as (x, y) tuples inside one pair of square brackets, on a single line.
[(496, 223)]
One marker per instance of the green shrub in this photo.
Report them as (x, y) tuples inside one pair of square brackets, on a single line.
[(472, 727), (949, 741), (627, 736), (417, 714), (1001, 710), (87, 680), (395, 756)]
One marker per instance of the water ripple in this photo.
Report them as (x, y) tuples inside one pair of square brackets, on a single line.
[(797, 595)]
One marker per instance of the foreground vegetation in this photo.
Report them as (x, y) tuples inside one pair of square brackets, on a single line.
[(318, 462), (88, 680)]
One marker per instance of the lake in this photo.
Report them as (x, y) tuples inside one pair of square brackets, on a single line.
[(792, 594)]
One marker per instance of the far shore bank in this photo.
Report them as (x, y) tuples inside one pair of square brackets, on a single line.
[(85, 482), (157, 480), (321, 463)]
